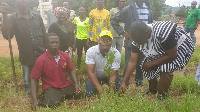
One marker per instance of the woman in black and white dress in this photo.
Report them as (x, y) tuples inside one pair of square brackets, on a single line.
[(166, 48)]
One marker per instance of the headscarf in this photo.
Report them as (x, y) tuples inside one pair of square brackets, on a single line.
[(58, 9)]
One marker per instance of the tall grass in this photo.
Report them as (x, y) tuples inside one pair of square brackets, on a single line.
[(184, 93)]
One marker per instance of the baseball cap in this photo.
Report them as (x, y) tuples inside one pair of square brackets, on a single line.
[(106, 33)]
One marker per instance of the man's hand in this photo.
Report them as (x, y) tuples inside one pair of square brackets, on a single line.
[(78, 89), (35, 104), (122, 89), (103, 89), (4, 8), (147, 67), (126, 35)]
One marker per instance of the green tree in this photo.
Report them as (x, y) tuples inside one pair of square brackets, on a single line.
[(182, 12), (158, 7), (11, 3)]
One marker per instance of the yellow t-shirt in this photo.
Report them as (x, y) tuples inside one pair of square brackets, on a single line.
[(82, 28)]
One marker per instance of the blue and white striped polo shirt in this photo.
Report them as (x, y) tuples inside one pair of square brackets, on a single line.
[(143, 13)]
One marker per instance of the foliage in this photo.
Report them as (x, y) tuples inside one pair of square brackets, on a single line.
[(11, 3), (195, 59), (182, 12), (110, 59), (158, 8)]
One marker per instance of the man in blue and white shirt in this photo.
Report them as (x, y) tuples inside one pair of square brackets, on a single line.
[(145, 14), (128, 15)]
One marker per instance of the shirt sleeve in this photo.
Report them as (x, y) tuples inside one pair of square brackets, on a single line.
[(11, 27), (70, 65), (91, 20), (111, 13), (170, 42), (119, 17), (134, 49), (117, 61), (37, 69), (89, 57)]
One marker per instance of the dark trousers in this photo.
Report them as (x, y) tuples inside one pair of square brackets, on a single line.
[(52, 97), (163, 85), (80, 44)]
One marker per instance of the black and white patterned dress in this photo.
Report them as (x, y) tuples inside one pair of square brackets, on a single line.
[(153, 48)]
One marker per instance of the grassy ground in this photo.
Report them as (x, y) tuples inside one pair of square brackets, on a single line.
[(184, 93)]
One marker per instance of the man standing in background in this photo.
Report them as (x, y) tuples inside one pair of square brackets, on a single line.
[(117, 39), (193, 18), (51, 13), (99, 20), (28, 28), (137, 10)]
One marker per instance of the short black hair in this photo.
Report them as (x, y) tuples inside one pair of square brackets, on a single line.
[(194, 2), (49, 35), (138, 27)]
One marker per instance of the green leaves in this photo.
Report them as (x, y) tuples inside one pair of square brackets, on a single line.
[(110, 59)]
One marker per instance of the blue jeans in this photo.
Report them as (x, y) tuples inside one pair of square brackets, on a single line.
[(191, 33), (90, 90), (118, 42), (128, 50), (26, 69)]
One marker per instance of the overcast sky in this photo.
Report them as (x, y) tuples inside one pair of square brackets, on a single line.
[(176, 3)]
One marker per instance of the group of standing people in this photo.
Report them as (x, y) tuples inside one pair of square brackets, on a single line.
[(155, 49)]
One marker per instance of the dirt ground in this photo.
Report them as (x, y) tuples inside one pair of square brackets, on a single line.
[(5, 52)]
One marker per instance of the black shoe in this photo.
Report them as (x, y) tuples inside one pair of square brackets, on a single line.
[(139, 83), (151, 92)]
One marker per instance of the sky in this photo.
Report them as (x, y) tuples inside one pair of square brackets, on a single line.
[(175, 3)]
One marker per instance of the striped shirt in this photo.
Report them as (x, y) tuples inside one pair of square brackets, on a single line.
[(93, 56), (154, 48), (143, 13)]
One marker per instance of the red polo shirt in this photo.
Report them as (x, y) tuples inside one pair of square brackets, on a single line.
[(51, 74)]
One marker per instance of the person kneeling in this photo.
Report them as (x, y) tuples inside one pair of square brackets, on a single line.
[(97, 60), (52, 68)]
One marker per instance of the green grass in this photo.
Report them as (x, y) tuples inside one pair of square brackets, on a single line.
[(184, 93)]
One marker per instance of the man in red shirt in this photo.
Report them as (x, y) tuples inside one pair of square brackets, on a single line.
[(51, 67)]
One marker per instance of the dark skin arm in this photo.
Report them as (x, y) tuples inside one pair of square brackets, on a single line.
[(90, 71), (34, 90), (130, 68), (74, 80), (167, 57), (113, 79)]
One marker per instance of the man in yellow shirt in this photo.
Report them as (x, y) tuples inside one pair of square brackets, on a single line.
[(99, 20)]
